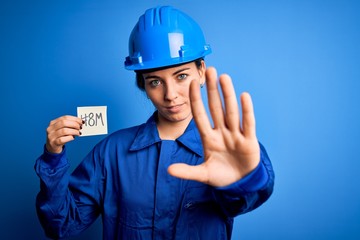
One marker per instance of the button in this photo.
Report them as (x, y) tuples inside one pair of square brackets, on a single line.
[(188, 205)]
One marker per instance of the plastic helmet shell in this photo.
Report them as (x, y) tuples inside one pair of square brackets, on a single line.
[(165, 36)]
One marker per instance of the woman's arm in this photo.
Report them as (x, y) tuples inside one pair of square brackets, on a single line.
[(66, 204)]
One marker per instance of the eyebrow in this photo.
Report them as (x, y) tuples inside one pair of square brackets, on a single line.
[(180, 70), (175, 73)]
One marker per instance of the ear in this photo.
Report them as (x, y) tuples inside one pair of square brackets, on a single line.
[(202, 70)]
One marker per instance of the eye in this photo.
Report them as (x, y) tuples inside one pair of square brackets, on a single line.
[(155, 83), (182, 76)]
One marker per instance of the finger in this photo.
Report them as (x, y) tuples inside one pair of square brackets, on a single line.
[(57, 144), (66, 118), (67, 132), (248, 117), (54, 133), (231, 105), (198, 110), (65, 122), (63, 132), (65, 139), (185, 171), (214, 99)]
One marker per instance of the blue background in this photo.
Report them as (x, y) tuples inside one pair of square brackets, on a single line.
[(298, 59)]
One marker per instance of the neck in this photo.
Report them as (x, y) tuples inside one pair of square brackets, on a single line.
[(172, 130)]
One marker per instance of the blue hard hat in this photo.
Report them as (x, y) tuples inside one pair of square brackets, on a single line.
[(165, 36)]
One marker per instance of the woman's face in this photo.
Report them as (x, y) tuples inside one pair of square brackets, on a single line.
[(168, 89)]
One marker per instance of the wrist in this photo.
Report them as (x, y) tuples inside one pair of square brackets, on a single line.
[(54, 160), (53, 150)]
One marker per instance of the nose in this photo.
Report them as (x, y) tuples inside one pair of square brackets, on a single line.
[(170, 92)]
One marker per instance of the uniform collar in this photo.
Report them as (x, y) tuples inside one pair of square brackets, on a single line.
[(149, 135), (191, 139)]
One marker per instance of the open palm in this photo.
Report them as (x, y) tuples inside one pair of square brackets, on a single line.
[(231, 149)]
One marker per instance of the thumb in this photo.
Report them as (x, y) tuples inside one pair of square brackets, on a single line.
[(188, 172)]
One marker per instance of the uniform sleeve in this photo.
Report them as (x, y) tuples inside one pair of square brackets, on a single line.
[(249, 192), (67, 204)]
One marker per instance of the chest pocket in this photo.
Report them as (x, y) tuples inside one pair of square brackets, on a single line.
[(201, 217)]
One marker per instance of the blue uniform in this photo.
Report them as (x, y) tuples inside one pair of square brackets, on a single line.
[(124, 179)]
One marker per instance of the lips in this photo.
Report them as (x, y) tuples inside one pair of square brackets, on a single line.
[(174, 108)]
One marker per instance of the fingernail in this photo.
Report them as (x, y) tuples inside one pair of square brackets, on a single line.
[(80, 132)]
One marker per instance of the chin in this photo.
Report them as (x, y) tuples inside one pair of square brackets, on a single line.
[(177, 117)]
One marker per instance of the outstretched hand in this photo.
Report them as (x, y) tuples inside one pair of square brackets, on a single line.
[(231, 149)]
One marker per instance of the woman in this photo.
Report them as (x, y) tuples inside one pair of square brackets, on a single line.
[(175, 176)]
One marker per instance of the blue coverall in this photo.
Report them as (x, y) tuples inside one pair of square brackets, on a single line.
[(124, 179)]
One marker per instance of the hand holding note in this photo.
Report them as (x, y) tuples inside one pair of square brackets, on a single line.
[(90, 121), (61, 131)]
